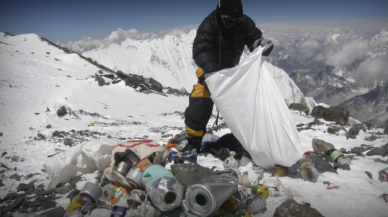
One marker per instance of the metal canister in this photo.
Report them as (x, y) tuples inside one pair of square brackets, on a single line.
[(147, 210), (131, 158), (123, 168), (207, 197), (309, 173), (90, 193), (383, 175), (106, 192), (305, 162), (134, 178), (343, 160), (334, 155), (231, 162), (256, 204), (118, 211), (164, 190)]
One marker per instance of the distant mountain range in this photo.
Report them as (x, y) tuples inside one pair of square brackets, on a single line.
[(169, 60)]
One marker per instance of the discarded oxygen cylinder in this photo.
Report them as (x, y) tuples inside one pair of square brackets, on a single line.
[(309, 173), (207, 197), (90, 193), (230, 163), (118, 211), (131, 158), (256, 204), (164, 190), (305, 162), (134, 178), (383, 175)]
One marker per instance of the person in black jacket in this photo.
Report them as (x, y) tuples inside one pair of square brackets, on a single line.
[(219, 44)]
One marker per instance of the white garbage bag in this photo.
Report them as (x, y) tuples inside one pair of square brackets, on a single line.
[(256, 113)]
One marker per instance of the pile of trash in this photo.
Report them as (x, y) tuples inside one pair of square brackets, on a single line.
[(138, 183)]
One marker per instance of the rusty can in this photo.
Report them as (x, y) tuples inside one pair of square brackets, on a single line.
[(383, 175), (143, 164)]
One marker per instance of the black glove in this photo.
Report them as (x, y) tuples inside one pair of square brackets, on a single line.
[(266, 43)]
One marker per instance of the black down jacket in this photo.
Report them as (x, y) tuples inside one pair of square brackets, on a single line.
[(213, 38)]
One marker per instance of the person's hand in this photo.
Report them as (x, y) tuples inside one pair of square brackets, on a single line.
[(268, 46)]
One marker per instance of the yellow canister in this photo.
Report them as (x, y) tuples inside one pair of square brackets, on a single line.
[(73, 206)]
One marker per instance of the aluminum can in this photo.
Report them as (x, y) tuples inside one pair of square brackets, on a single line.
[(230, 163), (134, 178), (123, 168), (90, 193), (383, 175), (256, 204), (309, 173)]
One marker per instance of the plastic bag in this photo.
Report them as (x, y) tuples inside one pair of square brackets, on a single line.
[(255, 111)]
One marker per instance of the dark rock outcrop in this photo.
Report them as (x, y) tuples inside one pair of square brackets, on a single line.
[(290, 208), (336, 114)]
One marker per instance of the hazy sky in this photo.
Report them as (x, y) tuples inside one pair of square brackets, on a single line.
[(72, 20)]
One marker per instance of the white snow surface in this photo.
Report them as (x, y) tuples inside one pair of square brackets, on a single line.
[(33, 80)]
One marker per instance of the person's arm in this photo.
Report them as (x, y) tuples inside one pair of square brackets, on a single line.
[(255, 38), (203, 49)]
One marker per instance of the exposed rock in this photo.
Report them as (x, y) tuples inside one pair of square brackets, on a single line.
[(381, 161), (153, 84), (48, 205), (61, 111), (386, 130), (337, 114), (352, 133), (25, 187), (15, 176), (18, 201), (101, 81), (369, 174), (371, 138), (58, 211), (121, 74), (64, 189), (299, 107), (357, 150), (10, 196), (321, 147), (290, 208), (183, 90), (15, 158), (111, 76), (379, 151), (134, 80)]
